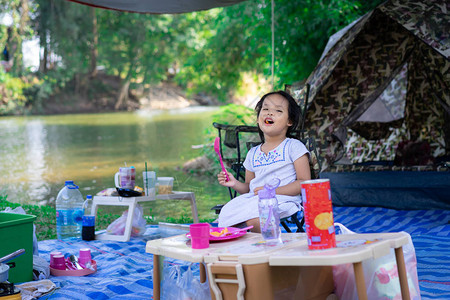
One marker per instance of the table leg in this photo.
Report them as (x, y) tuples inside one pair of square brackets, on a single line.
[(194, 208), (359, 280), (202, 273), (403, 277), (156, 278), (129, 222), (94, 208)]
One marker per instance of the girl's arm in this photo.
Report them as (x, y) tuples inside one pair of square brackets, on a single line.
[(240, 187), (301, 166)]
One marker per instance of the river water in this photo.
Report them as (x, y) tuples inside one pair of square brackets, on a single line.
[(38, 153)]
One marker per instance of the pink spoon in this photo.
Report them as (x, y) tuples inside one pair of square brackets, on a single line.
[(245, 228), (217, 149), (238, 231)]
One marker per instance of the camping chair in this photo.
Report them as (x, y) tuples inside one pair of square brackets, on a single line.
[(233, 152)]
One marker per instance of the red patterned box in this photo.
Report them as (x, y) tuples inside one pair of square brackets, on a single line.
[(319, 219)]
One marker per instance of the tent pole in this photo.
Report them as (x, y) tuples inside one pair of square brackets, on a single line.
[(273, 42)]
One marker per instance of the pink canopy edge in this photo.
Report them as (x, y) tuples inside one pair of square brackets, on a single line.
[(158, 6)]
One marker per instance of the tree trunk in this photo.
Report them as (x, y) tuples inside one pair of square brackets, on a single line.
[(94, 45), (18, 56), (123, 94), (44, 61)]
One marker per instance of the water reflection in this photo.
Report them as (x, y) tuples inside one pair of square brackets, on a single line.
[(37, 154), (35, 135)]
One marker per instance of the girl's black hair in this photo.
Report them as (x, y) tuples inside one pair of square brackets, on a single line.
[(294, 112)]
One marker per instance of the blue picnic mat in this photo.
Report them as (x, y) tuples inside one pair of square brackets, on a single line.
[(429, 230), (125, 270)]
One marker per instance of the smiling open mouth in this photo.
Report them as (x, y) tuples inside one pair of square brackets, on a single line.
[(268, 121)]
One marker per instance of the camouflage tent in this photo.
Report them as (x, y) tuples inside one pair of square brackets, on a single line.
[(383, 79)]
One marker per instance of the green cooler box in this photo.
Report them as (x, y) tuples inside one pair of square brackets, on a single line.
[(16, 232)]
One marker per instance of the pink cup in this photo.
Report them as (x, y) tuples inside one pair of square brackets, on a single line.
[(52, 260), (53, 254), (199, 235), (59, 262), (85, 256)]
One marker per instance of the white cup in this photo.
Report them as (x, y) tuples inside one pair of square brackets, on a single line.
[(149, 178), (125, 178)]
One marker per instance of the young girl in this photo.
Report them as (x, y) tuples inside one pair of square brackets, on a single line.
[(278, 156)]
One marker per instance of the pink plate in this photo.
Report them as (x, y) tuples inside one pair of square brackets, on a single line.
[(83, 272), (232, 233)]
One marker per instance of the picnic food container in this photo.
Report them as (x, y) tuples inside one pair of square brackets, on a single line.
[(319, 221), (16, 232), (165, 185)]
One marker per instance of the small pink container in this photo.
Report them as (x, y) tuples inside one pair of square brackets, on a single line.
[(53, 254), (59, 262), (199, 235), (85, 256)]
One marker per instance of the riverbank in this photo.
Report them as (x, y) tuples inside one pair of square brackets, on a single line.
[(101, 95)]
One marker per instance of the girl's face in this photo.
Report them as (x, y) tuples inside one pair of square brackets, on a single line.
[(273, 118)]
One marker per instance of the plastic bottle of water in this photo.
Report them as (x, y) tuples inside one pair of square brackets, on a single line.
[(88, 223), (269, 217), (69, 211), (87, 205)]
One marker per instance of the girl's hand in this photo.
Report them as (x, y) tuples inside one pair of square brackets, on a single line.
[(221, 177), (257, 189)]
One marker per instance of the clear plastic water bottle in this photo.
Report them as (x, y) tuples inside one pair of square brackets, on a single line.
[(69, 211), (269, 216), (87, 205), (88, 223)]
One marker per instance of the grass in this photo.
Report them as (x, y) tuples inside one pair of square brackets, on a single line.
[(46, 218)]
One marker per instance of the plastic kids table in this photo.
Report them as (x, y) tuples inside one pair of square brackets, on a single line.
[(246, 267), (131, 202)]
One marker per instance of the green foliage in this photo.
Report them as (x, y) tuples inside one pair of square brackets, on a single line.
[(207, 52), (242, 42), (12, 95), (103, 219), (235, 114), (231, 114), (37, 93), (20, 95), (303, 29), (65, 30), (186, 218)]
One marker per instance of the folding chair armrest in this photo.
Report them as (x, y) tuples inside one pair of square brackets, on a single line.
[(217, 208)]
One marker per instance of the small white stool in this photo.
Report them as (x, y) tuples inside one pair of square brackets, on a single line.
[(131, 202)]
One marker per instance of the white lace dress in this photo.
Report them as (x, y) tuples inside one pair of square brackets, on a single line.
[(277, 163)]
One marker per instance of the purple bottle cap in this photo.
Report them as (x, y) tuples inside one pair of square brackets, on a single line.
[(269, 189), (265, 194)]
